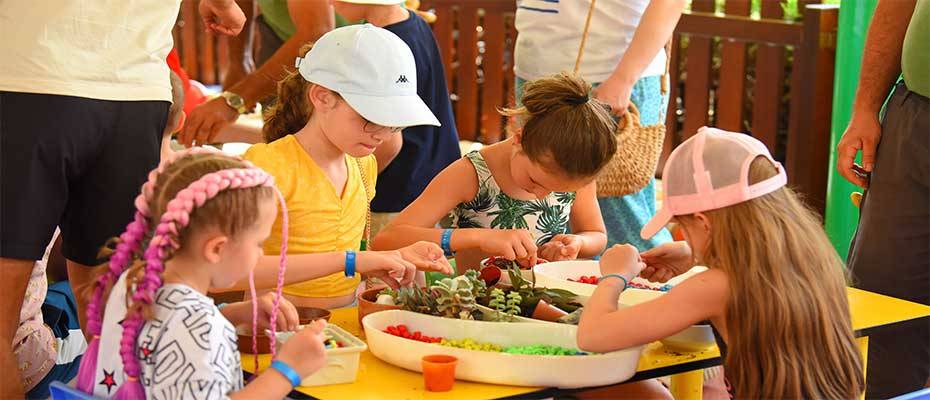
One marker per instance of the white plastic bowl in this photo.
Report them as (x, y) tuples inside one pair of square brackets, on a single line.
[(494, 367), (557, 274)]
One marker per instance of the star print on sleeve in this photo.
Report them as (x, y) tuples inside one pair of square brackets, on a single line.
[(108, 380)]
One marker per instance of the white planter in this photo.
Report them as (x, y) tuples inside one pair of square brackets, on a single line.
[(557, 275), (495, 367)]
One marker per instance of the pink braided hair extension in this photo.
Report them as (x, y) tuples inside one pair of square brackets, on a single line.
[(127, 246), (176, 217)]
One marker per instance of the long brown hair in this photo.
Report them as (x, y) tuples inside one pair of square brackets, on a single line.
[(561, 123), (291, 109), (787, 315)]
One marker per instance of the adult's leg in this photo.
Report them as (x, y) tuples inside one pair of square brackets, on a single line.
[(890, 253), (39, 134), (101, 201)]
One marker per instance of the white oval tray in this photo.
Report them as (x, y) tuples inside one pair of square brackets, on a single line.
[(556, 274), (494, 367)]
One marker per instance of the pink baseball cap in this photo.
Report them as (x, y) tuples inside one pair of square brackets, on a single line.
[(710, 171)]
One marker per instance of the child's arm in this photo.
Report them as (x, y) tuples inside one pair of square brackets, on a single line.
[(393, 267), (456, 184), (590, 235), (304, 353), (605, 328)]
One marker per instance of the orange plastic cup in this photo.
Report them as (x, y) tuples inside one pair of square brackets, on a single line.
[(439, 372)]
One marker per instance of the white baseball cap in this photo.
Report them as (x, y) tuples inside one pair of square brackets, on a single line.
[(373, 70), (378, 2), (711, 171)]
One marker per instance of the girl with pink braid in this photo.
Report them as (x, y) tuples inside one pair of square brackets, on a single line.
[(201, 222)]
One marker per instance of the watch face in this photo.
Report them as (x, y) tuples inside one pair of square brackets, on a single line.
[(236, 101)]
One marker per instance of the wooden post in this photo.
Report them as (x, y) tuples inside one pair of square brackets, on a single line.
[(770, 76), (811, 107), (732, 90), (697, 85), (466, 108), (492, 90)]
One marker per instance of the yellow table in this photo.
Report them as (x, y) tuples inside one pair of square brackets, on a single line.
[(380, 380)]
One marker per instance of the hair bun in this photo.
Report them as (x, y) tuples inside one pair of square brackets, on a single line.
[(577, 100)]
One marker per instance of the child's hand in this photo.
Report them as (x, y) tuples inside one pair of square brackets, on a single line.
[(667, 261), (388, 266), (241, 313), (511, 244), (305, 351), (561, 248), (622, 259), (427, 256)]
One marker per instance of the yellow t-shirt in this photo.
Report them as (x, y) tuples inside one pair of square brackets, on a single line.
[(319, 219)]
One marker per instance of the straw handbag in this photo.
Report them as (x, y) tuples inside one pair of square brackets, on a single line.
[(638, 146)]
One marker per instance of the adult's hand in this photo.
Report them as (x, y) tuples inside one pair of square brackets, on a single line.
[(206, 121), (223, 17), (862, 134), (615, 93)]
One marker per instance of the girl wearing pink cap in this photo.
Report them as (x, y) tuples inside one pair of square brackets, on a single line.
[(774, 291)]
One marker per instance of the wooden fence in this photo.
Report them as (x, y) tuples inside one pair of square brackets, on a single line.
[(766, 76)]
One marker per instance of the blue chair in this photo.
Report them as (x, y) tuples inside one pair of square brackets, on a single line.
[(61, 391), (923, 394)]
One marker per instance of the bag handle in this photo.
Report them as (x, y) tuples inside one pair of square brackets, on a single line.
[(584, 36)]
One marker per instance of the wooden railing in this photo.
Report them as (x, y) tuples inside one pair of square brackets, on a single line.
[(766, 76), (476, 38), (774, 81)]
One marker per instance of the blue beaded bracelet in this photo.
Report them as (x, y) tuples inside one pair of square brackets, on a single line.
[(287, 371), (446, 242), (618, 276), (350, 264)]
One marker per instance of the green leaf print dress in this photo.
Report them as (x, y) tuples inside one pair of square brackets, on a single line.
[(492, 208)]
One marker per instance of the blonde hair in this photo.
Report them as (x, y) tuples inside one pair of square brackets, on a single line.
[(787, 316), (561, 121)]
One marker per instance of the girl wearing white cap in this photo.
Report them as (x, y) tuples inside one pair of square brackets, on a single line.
[(774, 294), (352, 91)]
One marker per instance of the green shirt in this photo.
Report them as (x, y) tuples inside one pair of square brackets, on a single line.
[(915, 58), (277, 16)]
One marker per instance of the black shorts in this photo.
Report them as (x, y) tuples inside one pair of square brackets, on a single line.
[(72, 162)]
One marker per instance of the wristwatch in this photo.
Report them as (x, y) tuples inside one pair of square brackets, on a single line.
[(235, 101)]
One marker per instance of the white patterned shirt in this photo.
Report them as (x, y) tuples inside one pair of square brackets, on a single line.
[(188, 349)]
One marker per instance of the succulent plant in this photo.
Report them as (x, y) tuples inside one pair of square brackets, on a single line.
[(455, 297), (513, 303), (417, 300)]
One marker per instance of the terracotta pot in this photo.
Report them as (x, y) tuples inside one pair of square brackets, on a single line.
[(367, 304), (245, 341), (547, 312), (310, 314)]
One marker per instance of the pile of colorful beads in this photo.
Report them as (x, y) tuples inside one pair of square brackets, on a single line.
[(586, 279), (401, 331), (544, 350), (333, 344), (664, 288), (592, 280), (470, 344)]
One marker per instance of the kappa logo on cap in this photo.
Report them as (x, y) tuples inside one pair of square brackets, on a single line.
[(402, 79)]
